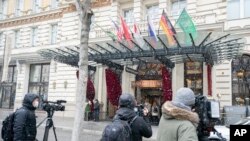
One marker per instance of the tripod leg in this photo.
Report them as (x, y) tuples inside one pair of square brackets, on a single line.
[(49, 124), (54, 130)]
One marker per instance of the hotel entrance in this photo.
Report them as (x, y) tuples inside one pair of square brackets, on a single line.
[(148, 89)]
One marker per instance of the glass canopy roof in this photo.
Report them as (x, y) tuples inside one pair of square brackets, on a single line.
[(212, 48)]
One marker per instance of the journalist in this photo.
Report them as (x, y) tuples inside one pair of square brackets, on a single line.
[(25, 119), (141, 126), (178, 122)]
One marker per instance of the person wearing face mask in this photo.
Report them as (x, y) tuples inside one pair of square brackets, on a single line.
[(25, 119)]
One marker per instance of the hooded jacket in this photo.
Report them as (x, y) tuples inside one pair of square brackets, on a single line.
[(140, 127), (177, 124), (25, 120)]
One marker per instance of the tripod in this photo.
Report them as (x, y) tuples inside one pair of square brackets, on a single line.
[(49, 124)]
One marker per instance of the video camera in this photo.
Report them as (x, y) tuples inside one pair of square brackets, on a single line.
[(139, 111), (53, 106), (209, 114)]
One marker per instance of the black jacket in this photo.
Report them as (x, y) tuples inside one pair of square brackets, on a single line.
[(25, 120), (140, 127)]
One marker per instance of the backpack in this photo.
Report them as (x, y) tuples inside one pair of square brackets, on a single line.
[(7, 128), (118, 130)]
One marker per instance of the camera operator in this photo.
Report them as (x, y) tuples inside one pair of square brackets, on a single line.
[(25, 119), (178, 122)]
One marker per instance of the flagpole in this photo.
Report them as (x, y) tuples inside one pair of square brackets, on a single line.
[(159, 23), (107, 32)]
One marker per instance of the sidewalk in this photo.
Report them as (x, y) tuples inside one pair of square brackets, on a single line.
[(65, 123)]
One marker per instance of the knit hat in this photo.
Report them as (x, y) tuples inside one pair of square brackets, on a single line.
[(184, 98), (127, 100)]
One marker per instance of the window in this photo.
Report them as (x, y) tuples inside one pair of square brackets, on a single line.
[(233, 9), (19, 7), (39, 80), (238, 9), (247, 9), (240, 79), (152, 11), (54, 33), (3, 9), (17, 38), (128, 15), (54, 4), (178, 6), (34, 36), (8, 89), (36, 6)]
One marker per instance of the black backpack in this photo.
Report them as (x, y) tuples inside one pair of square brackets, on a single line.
[(7, 128), (118, 130)]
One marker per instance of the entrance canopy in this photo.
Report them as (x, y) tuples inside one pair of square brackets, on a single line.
[(212, 48)]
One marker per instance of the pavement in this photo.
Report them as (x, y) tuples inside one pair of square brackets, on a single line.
[(64, 125), (92, 130)]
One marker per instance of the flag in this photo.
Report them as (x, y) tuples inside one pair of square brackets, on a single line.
[(151, 29), (7, 57), (186, 24), (137, 36), (126, 32), (167, 27), (119, 32), (109, 33)]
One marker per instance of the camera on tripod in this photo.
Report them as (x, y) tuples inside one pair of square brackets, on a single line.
[(50, 107), (209, 114), (53, 106)]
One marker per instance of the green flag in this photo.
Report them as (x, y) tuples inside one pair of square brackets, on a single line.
[(186, 24), (109, 33)]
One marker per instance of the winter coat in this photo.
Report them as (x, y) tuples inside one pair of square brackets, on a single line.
[(25, 120), (177, 124), (140, 127)]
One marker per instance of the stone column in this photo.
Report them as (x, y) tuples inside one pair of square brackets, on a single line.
[(177, 77)]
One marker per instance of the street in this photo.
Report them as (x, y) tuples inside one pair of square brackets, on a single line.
[(64, 135)]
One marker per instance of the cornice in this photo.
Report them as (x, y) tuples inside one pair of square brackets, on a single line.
[(100, 3), (39, 17)]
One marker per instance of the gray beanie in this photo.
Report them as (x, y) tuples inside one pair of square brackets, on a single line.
[(184, 98)]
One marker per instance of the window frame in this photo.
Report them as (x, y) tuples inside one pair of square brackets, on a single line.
[(242, 11), (4, 9), (179, 9), (41, 84), (54, 4), (17, 38), (128, 20), (19, 7), (53, 35), (36, 6), (155, 16), (34, 35)]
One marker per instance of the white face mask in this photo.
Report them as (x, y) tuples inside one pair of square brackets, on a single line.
[(36, 104)]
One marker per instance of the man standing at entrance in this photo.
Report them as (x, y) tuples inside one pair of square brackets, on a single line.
[(178, 121)]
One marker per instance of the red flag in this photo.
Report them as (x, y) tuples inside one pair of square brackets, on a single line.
[(126, 32)]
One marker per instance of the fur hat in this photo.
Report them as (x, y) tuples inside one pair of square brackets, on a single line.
[(184, 98)]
